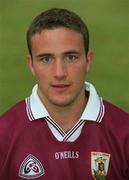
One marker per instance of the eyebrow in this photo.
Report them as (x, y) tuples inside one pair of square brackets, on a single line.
[(71, 52), (43, 54)]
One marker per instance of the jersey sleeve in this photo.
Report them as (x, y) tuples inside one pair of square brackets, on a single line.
[(5, 140)]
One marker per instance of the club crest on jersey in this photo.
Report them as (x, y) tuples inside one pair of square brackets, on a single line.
[(99, 165), (31, 168)]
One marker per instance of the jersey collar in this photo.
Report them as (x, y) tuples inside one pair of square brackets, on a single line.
[(93, 111)]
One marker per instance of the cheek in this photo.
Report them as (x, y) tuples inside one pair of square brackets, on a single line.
[(81, 75), (80, 71), (39, 71), (43, 78)]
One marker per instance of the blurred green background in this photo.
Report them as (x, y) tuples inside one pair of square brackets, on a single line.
[(108, 22)]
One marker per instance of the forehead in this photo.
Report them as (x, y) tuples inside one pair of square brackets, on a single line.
[(58, 37)]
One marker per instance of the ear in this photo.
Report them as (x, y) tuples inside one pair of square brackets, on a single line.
[(89, 59), (30, 64)]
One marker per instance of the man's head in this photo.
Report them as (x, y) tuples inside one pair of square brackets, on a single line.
[(55, 18), (59, 57)]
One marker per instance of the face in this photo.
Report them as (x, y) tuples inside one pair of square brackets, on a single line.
[(59, 64)]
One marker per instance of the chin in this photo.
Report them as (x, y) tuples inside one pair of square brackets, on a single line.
[(61, 103)]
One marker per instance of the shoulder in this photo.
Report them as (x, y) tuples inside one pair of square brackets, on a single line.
[(115, 115), (17, 109), (114, 110), (13, 115)]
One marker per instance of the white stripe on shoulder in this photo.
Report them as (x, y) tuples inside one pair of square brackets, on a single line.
[(28, 109), (101, 112)]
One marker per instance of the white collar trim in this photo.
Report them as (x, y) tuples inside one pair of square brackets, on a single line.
[(93, 111)]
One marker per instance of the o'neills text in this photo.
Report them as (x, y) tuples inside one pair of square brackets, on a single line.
[(67, 155)]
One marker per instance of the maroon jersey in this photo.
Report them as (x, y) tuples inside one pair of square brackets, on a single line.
[(33, 146)]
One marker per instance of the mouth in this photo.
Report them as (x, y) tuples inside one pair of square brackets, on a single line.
[(61, 87)]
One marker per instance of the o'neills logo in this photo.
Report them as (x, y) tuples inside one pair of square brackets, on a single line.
[(99, 165), (67, 155)]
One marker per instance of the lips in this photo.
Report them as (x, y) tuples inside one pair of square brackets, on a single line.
[(61, 87)]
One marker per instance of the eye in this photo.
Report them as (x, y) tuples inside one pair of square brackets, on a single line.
[(46, 59), (71, 57)]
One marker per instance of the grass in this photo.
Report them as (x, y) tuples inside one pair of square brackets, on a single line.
[(109, 38)]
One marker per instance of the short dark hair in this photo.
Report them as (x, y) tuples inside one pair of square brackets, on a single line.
[(54, 18)]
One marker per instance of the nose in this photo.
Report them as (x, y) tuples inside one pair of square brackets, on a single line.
[(60, 69)]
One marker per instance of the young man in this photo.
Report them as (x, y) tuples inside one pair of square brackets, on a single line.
[(64, 130)]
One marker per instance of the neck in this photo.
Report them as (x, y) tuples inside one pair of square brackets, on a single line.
[(67, 116)]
